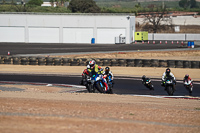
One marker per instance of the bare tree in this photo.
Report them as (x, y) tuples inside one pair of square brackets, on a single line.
[(157, 19)]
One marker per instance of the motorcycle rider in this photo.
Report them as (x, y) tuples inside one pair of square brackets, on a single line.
[(144, 79), (167, 74), (108, 73), (186, 78), (85, 75), (99, 70)]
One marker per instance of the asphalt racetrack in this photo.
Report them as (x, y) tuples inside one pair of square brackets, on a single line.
[(27, 49), (123, 85)]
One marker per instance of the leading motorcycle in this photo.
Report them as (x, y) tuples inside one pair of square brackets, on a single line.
[(95, 82), (169, 83)]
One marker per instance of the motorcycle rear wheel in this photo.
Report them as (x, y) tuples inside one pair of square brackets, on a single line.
[(90, 88)]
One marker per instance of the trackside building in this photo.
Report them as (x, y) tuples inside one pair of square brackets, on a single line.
[(67, 28)]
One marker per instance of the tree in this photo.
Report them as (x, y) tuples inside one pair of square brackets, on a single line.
[(157, 19), (35, 2), (188, 3), (84, 6)]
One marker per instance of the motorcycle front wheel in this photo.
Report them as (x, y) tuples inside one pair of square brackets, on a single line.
[(100, 87), (170, 90)]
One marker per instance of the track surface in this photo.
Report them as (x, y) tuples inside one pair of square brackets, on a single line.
[(41, 48), (123, 85)]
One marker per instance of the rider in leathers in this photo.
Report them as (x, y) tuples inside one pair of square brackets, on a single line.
[(187, 77), (85, 75), (166, 74), (96, 68), (107, 73)]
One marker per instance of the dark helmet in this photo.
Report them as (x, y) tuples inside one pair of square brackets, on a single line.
[(107, 69), (143, 77), (168, 71), (186, 76)]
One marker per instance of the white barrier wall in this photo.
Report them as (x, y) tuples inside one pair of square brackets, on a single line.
[(66, 28), (169, 37), (173, 37), (192, 37)]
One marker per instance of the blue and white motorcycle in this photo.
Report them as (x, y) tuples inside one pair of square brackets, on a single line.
[(95, 82)]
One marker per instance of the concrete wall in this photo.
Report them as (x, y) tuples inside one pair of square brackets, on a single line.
[(173, 37), (65, 28)]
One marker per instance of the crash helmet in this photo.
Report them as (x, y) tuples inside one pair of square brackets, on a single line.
[(186, 76), (92, 64), (143, 77), (168, 71), (107, 69)]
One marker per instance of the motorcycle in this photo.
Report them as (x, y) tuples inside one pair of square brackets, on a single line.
[(147, 82), (95, 82), (188, 85), (169, 83), (110, 84)]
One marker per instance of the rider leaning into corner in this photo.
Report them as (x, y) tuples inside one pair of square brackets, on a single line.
[(167, 74), (85, 75), (108, 73), (96, 68)]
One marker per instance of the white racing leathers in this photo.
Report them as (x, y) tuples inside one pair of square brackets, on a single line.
[(165, 75)]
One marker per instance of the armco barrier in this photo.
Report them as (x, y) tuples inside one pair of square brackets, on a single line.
[(101, 62)]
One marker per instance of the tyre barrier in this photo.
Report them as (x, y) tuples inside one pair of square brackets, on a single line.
[(66, 61), (195, 64), (122, 62), (138, 63), (7, 60), (114, 62), (1, 60), (57, 61), (49, 61), (33, 61), (101, 62), (106, 62), (171, 63), (146, 63), (130, 62), (16, 61), (179, 63), (75, 62), (41, 61), (83, 62), (186, 64), (24, 61), (163, 63), (154, 63)]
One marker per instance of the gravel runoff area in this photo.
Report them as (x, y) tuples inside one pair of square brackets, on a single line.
[(40, 110)]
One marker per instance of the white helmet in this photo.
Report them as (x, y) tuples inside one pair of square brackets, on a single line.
[(92, 63)]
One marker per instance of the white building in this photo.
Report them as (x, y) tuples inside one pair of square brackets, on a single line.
[(66, 28)]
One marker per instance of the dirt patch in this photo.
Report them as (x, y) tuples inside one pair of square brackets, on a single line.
[(164, 55), (74, 112)]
